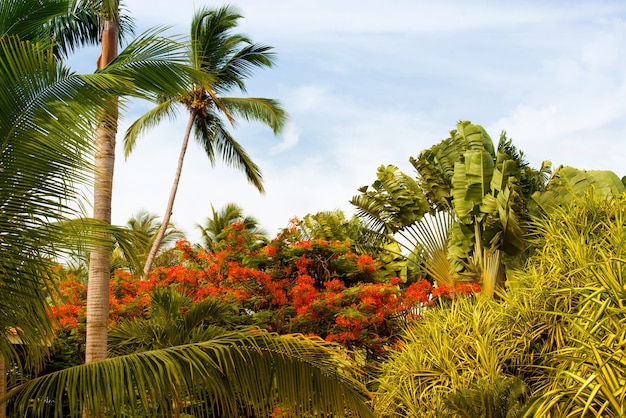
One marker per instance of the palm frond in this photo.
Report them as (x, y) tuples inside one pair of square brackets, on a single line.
[(150, 119), (241, 65), (216, 139), (47, 120), (229, 56), (157, 66), (25, 19), (254, 370), (266, 111)]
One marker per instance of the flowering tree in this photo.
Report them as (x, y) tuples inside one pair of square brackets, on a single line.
[(313, 287)]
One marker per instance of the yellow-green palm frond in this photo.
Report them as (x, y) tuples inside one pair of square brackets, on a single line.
[(253, 371)]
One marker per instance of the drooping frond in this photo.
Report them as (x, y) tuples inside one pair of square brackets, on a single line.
[(266, 111), (253, 371), (47, 118), (147, 121), (215, 139)]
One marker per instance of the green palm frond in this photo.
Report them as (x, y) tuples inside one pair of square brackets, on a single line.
[(230, 57), (147, 121), (242, 64), (215, 139), (133, 242), (68, 24), (254, 370), (26, 18), (157, 66), (47, 120), (267, 111), (172, 320), (214, 226)]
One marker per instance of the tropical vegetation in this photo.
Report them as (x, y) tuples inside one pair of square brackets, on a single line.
[(478, 287)]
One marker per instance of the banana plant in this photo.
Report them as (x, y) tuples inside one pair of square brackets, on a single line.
[(488, 202), (465, 210), (569, 184)]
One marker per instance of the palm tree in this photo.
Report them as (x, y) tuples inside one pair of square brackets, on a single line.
[(151, 66), (144, 227), (173, 320), (215, 225), (46, 115), (228, 59)]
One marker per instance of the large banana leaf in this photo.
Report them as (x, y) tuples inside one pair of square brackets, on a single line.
[(470, 182), (569, 184)]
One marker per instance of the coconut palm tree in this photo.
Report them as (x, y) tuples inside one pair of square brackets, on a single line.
[(151, 66), (104, 162), (229, 59), (46, 116)]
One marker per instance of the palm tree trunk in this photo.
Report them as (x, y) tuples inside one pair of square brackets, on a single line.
[(100, 259), (170, 203)]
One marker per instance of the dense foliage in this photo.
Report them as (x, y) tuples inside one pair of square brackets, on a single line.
[(551, 346), (313, 287)]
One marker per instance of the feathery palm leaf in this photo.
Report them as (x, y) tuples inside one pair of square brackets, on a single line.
[(266, 111), (172, 320), (26, 18), (216, 140), (80, 26), (46, 122), (148, 120), (216, 50), (157, 66), (300, 374)]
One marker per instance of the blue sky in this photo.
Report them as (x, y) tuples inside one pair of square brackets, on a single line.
[(368, 83)]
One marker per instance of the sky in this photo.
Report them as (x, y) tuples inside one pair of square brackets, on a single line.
[(369, 83)]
